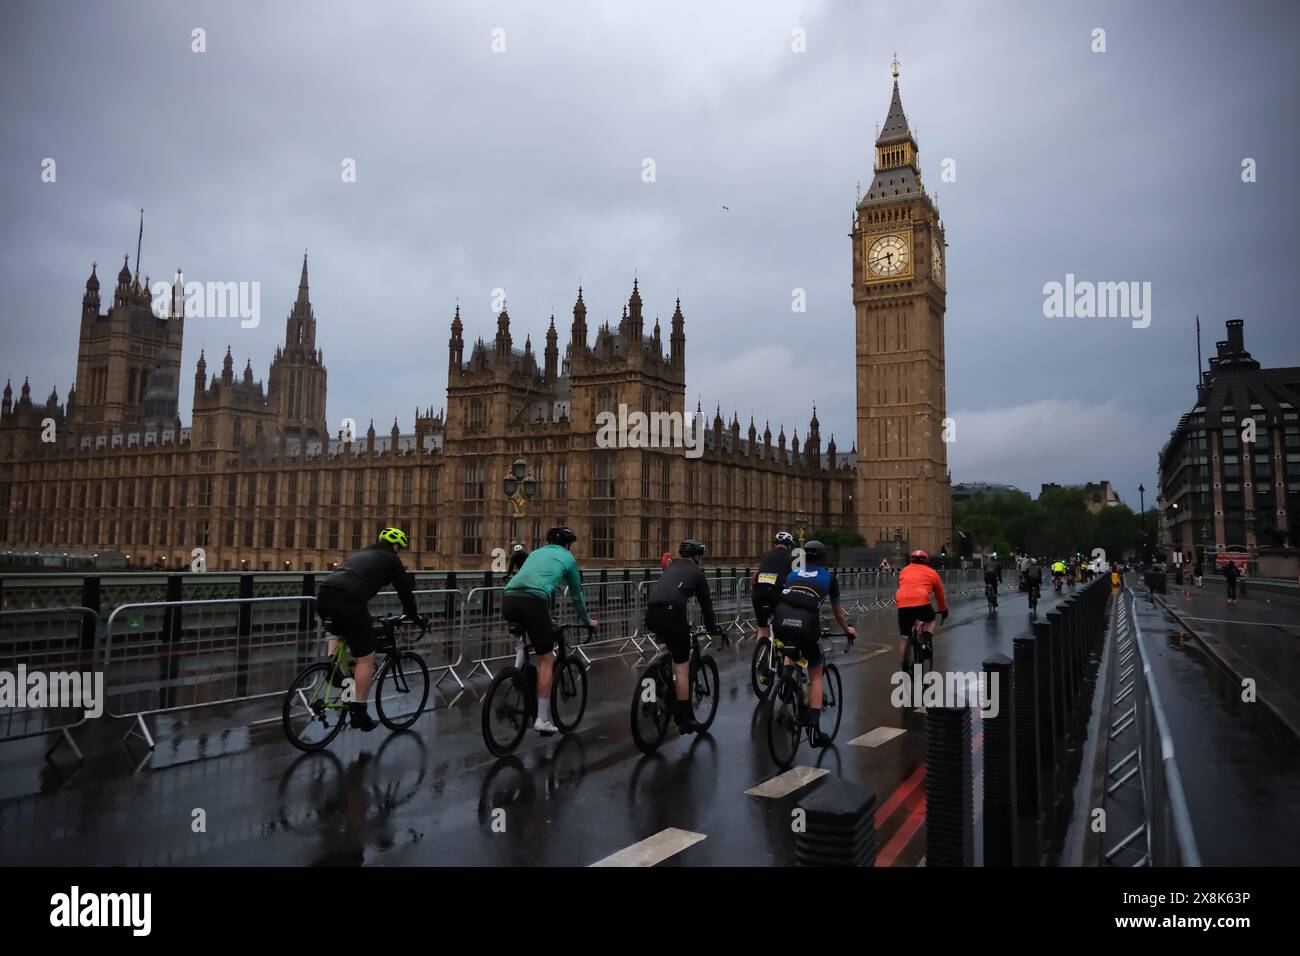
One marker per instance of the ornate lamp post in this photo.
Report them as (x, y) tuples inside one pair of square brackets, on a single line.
[(519, 485), (801, 525)]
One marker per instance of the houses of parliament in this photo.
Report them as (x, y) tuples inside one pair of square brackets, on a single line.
[(260, 481)]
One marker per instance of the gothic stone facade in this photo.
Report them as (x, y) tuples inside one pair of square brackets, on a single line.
[(257, 484)]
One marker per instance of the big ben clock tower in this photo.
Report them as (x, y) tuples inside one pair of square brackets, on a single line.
[(899, 300)]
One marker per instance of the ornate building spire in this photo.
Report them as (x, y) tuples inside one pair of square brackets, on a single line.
[(552, 352)]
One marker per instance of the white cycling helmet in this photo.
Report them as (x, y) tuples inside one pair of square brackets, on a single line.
[(783, 537)]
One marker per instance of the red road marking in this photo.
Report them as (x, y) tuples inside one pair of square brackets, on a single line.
[(903, 835), (896, 798)]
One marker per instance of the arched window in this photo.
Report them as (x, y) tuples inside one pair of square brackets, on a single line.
[(605, 400)]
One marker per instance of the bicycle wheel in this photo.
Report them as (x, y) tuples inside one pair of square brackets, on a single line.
[(760, 668), (507, 709), (402, 690), (568, 694), (705, 690), (651, 709), (832, 701), (314, 710), (783, 729)]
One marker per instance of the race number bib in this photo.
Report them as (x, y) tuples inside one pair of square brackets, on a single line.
[(767, 578)]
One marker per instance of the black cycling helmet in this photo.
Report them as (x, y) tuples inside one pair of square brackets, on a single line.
[(561, 535), (814, 551), (691, 548)]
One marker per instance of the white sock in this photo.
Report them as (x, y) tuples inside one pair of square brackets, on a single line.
[(543, 709), (520, 656)]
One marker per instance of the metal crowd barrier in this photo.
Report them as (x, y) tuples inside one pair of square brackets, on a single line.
[(181, 655), (1167, 822), (443, 648), (60, 643)]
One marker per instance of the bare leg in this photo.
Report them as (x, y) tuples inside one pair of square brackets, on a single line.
[(364, 673), (545, 668)]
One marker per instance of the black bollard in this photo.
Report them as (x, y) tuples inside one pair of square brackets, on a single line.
[(1060, 672), (949, 802), (1048, 747), (999, 767), (1028, 778), (839, 826)]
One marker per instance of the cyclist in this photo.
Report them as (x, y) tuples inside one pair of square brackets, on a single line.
[(527, 603), (769, 579), (341, 605), (1034, 580), (665, 615), (916, 582), (517, 558), (797, 620), (1058, 573), (992, 575)]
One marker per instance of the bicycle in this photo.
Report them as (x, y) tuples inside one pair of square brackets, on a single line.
[(991, 595), (919, 649), (654, 691), (763, 665), (510, 704), (317, 704), (1034, 590), (786, 719)]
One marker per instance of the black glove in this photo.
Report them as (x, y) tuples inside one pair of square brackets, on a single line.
[(423, 621), (943, 617)]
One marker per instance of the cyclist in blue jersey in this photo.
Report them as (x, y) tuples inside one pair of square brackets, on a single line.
[(797, 622)]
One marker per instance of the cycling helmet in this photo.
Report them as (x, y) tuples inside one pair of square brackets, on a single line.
[(783, 537), (691, 548), (814, 551), (561, 535), (519, 547), (394, 536), (920, 557)]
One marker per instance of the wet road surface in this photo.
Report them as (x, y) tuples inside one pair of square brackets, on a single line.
[(220, 792), (1240, 772)]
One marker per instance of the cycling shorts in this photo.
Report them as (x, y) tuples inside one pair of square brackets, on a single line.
[(347, 617), (669, 624), (907, 616), (532, 613), (765, 599), (801, 628)]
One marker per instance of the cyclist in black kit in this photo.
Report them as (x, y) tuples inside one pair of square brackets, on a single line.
[(665, 615), (769, 579), (341, 604)]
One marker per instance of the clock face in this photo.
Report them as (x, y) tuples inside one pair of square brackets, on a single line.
[(887, 256), (936, 259)]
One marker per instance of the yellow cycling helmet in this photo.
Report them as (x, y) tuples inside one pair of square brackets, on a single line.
[(394, 536)]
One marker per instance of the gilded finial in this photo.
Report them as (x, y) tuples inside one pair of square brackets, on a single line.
[(894, 64)]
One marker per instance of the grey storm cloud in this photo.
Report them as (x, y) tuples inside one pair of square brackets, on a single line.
[(522, 170)]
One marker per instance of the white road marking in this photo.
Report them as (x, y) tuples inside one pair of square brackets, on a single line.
[(881, 735), (653, 849), (786, 783)]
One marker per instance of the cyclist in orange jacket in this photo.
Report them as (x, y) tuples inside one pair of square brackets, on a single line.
[(916, 583)]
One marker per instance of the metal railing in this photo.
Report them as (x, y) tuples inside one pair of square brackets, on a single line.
[(60, 644), (1167, 824)]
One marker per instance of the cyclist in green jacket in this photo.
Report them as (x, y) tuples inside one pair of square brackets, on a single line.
[(527, 603)]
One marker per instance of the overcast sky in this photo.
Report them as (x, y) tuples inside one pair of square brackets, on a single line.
[(522, 170)]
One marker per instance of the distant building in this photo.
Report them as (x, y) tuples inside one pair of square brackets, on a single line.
[(963, 492), (1216, 486), (1097, 495)]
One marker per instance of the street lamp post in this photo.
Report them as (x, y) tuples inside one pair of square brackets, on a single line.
[(1142, 496), (801, 525), (519, 485)]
